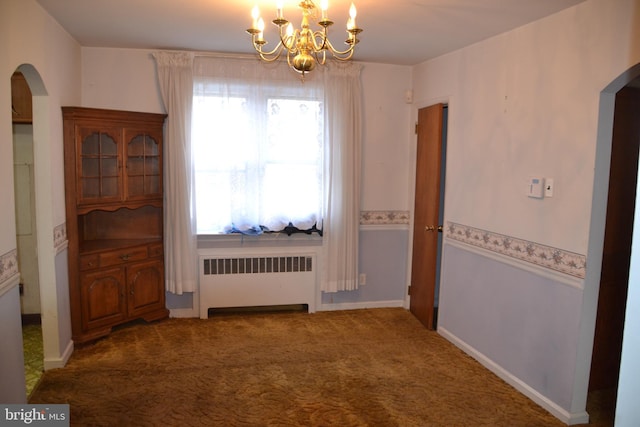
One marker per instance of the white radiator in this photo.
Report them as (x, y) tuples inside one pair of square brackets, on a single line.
[(237, 279)]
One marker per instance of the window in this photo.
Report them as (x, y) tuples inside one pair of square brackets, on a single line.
[(258, 159), (339, 89)]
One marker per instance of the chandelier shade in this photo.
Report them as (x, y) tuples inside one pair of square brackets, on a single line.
[(304, 47)]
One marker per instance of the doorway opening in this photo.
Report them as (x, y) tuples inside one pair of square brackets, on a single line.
[(614, 276), (26, 230), (443, 163)]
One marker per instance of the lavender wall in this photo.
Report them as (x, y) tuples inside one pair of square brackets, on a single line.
[(529, 102), (491, 305), (383, 258)]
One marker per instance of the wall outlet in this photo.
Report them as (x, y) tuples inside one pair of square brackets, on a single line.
[(362, 280)]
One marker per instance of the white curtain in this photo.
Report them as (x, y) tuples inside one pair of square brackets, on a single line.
[(257, 135), (175, 77), (343, 92)]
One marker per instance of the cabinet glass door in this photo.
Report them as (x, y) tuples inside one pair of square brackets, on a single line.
[(144, 170), (99, 178)]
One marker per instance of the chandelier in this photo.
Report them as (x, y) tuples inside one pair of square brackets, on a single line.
[(304, 47)]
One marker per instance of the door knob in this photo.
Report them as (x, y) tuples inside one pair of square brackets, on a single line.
[(429, 228), (440, 228)]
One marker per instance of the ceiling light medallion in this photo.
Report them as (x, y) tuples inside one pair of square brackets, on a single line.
[(304, 47)]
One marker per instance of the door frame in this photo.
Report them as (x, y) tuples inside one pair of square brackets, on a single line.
[(612, 299), (586, 332)]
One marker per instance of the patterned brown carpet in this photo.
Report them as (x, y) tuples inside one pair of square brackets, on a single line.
[(33, 355), (376, 367)]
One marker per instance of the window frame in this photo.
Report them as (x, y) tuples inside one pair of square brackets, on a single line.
[(265, 94)]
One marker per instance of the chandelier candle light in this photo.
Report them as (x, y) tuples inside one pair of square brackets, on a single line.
[(304, 47)]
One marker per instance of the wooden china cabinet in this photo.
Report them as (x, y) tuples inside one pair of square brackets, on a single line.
[(114, 201)]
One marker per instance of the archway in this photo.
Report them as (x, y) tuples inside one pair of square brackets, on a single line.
[(54, 309), (26, 228), (595, 255)]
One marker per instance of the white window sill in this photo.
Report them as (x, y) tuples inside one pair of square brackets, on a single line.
[(263, 240)]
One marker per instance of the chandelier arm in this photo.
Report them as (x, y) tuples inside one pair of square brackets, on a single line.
[(321, 56), (268, 56), (321, 43), (343, 55), (289, 42), (274, 56), (320, 40), (289, 53)]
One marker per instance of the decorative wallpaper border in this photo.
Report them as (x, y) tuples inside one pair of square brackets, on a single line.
[(8, 265), (9, 261), (60, 236), (384, 217), (546, 256)]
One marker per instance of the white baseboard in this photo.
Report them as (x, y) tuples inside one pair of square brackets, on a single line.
[(182, 313), (60, 362), (578, 418), (194, 312), (360, 305), (555, 410)]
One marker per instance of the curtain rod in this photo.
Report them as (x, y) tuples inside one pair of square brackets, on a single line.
[(228, 55), (207, 54)]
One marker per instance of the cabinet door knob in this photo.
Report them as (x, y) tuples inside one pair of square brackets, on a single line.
[(125, 257)]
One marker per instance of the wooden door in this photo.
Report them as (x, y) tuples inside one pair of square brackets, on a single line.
[(426, 214), (614, 278)]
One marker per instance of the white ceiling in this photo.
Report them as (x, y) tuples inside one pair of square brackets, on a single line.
[(404, 32)]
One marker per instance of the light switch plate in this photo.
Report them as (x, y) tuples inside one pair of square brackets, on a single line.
[(548, 187)]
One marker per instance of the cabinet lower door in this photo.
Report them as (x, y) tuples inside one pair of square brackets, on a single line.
[(146, 287), (103, 299)]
